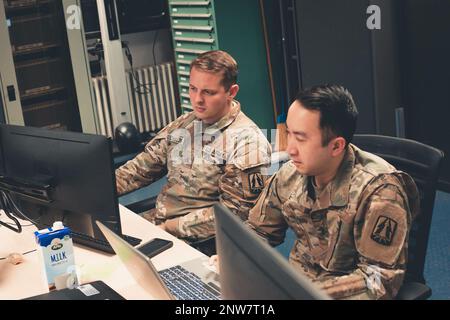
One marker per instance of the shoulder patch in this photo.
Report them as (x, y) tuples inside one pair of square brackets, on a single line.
[(256, 182), (384, 230)]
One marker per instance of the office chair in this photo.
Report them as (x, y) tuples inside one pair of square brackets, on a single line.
[(422, 163)]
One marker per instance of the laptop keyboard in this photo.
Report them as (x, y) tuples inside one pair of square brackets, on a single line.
[(185, 285)]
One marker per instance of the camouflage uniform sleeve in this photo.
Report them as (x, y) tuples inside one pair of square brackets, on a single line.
[(146, 167), (240, 185), (237, 194), (381, 231), (266, 217), (195, 225)]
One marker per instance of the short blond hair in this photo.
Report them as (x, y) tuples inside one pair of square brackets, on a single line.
[(218, 61)]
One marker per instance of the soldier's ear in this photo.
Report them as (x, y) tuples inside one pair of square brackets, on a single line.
[(233, 91), (337, 145)]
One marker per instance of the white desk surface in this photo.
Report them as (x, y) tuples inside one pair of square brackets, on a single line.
[(28, 278)]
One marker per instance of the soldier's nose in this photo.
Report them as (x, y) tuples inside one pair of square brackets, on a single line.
[(198, 99), (291, 150)]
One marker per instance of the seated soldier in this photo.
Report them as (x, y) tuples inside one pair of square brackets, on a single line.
[(350, 210), (213, 154)]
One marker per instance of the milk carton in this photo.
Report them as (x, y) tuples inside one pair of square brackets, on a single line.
[(56, 249)]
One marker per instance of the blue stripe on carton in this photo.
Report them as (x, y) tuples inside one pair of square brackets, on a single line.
[(44, 239)]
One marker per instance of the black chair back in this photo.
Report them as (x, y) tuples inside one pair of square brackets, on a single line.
[(422, 163)]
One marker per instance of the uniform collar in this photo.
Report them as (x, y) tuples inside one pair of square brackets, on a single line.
[(336, 193), (226, 120), (340, 185)]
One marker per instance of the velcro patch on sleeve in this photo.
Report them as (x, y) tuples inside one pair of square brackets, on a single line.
[(253, 182), (384, 232)]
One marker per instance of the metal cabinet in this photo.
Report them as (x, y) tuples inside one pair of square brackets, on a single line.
[(193, 33), (231, 25), (36, 67)]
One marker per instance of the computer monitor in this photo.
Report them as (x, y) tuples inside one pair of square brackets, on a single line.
[(250, 269), (60, 176)]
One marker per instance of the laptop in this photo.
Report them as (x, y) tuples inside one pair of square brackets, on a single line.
[(191, 280)]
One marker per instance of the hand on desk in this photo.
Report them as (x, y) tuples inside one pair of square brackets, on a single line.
[(214, 261)]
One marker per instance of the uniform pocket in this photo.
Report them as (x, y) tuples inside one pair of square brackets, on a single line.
[(341, 253)]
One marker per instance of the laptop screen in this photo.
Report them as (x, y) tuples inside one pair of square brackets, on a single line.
[(139, 265)]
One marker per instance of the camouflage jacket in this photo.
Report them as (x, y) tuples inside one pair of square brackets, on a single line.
[(222, 162), (352, 237)]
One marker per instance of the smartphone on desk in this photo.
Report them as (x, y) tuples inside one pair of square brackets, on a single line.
[(154, 247)]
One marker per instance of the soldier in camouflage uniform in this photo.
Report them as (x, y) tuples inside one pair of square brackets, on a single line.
[(213, 154), (350, 210)]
